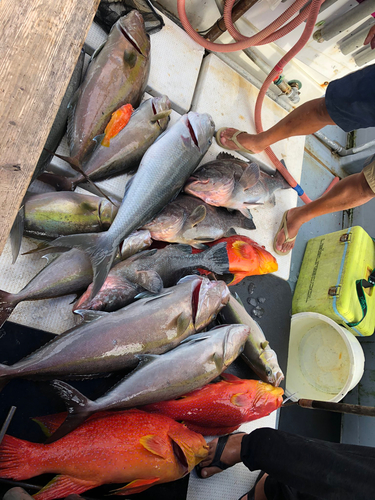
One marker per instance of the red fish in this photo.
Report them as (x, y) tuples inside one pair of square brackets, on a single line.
[(118, 121), (124, 447), (246, 258), (222, 407)]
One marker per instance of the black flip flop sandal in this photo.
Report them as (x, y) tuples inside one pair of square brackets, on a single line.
[(216, 462), (251, 493)]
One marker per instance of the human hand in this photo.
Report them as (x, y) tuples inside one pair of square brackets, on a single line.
[(370, 38)]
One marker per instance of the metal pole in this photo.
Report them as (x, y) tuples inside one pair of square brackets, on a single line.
[(219, 27)]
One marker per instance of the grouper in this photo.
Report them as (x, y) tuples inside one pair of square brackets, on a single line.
[(126, 149), (234, 184), (190, 220), (159, 378), (117, 75), (152, 270), (108, 342), (163, 171)]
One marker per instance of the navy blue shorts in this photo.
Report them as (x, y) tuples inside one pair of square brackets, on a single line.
[(350, 100)]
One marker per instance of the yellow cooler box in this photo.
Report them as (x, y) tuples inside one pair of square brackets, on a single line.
[(337, 279)]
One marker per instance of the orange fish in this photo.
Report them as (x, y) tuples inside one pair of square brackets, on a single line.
[(124, 447), (118, 121), (221, 408), (246, 258)]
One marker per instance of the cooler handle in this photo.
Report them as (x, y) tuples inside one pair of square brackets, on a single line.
[(361, 295)]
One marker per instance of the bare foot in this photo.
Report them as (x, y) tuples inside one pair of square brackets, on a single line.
[(293, 226), (248, 141), (231, 454)]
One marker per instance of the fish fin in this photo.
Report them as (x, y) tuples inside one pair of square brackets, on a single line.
[(217, 258), (89, 315), (240, 399), (151, 296), (97, 52), (199, 246), (95, 245), (218, 360), (197, 215), (238, 298), (210, 431), (161, 115), (183, 452), (146, 253), (156, 445), (228, 156), (62, 486), (185, 279), (264, 344), (98, 139), (76, 165), (50, 423), (272, 200), (150, 280), (231, 379), (182, 247), (237, 278), (247, 223), (250, 176), (79, 408), (14, 458), (7, 305), (59, 182), (71, 112), (231, 232), (183, 323), (246, 212), (16, 233), (136, 486), (195, 338)]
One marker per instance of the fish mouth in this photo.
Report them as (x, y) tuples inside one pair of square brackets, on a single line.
[(192, 133), (131, 40), (195, 300)]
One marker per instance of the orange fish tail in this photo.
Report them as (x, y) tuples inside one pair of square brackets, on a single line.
[(16, 459)]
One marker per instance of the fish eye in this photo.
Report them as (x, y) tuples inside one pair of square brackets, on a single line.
[(268, 372)]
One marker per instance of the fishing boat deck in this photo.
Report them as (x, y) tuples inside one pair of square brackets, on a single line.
[(202, 83)]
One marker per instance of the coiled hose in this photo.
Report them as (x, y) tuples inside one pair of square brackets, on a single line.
[(272, 32)]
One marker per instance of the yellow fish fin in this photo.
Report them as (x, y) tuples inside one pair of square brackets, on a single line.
[(136, 486), (156, 445), (62, 486)]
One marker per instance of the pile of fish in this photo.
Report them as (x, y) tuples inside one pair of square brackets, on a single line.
[(143, 313)]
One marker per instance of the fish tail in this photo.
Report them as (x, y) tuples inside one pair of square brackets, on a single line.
[(77, 166), (99, 249), (216, 258), (15, 460), (246, 223), (7, 305), (59, 182), (16, 233), (79, 408)]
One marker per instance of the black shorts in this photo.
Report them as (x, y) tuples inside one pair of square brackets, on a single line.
[(350, 100)]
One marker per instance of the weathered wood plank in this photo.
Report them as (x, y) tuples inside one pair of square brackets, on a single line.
[(40, 41)]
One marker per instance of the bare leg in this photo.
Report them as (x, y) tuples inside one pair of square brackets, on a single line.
[(231, 455), (351, 192), (304, 120)]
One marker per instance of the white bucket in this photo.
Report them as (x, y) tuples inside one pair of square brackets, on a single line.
[(325, 361)]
